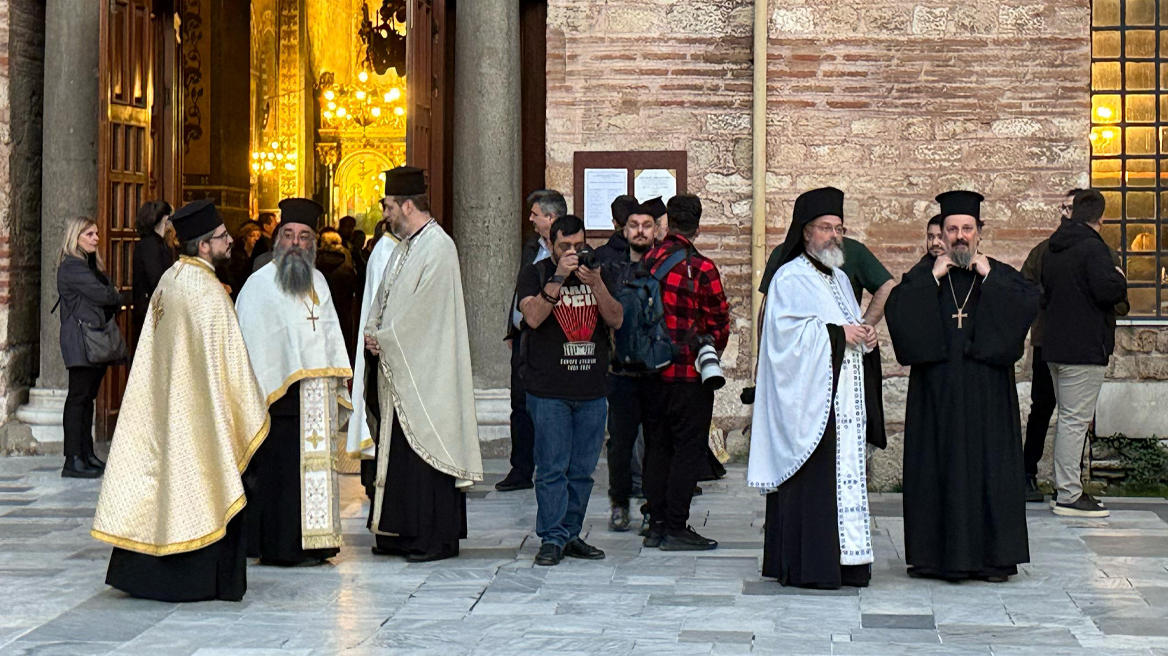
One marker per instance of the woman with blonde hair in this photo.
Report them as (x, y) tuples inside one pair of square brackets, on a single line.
[(87, 300)]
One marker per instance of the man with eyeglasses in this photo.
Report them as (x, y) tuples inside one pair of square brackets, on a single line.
[(810, 423), (1042, 396), (960, 322), (192, 417), (297, 349)]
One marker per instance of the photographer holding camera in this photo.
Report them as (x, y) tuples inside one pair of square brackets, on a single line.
[(698, 320), (568, 306)]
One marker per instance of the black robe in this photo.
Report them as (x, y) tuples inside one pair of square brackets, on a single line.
[(217, 571), (274, 509), (801, 539), (420, 504), (964, 486)]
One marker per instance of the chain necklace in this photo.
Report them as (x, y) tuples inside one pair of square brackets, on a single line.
[(961, 308)]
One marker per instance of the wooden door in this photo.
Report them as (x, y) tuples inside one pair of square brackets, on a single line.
[(126, 161), (427, 94)]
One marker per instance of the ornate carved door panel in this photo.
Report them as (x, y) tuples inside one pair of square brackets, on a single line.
[(126, 160)]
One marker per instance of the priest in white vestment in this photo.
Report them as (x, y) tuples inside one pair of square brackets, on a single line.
[(421, 405), (191, 420), (807, 449), (297, 349)]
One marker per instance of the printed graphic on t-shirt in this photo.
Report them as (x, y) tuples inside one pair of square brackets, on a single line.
[(577, 314)]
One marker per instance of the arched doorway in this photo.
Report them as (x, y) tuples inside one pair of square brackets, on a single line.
[(358, 186)]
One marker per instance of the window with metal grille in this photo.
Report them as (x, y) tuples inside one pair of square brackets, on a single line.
[(1129, 141)]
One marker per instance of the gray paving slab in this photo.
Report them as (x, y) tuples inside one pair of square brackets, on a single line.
[(1093, 587)]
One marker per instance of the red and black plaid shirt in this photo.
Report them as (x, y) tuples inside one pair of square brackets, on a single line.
[(694, 305)]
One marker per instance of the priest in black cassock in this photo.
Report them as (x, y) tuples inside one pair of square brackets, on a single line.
[(816, 406), (297, 350), (419, 392), (959, 321)]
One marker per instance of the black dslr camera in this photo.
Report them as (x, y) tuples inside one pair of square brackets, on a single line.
[(587, 257)]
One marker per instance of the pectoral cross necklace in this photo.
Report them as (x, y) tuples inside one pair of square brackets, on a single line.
[(311, 315), (960, 308)]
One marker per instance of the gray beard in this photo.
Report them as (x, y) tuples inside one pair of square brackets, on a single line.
[(294, 269), (832, 256), (961, 259)]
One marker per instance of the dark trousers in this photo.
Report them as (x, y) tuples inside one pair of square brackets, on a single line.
[(1042, 407), (676, 443), (630, 400), (522, 430), (78, 417)]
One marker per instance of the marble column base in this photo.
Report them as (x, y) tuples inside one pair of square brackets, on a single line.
[(43, 415), (493, 409)]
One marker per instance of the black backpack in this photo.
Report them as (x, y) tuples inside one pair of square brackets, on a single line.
[(642, 343)]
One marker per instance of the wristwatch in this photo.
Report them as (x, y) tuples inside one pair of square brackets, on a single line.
[(558, 279)]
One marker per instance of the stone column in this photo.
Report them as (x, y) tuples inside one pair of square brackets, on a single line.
[(69, 178), (487, 198)]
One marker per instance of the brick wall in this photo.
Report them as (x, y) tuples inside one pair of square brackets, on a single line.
[(21, 87), (892, 101)]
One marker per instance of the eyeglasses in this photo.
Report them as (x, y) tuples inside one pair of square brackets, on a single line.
[(305, 238), (1066, 209), (225, 235), (839, 230)]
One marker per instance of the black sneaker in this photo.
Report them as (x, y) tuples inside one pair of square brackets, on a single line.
[(1084, 506), (645, 524), (619, 520), (580, 549), (514, 482), (1033, 494), (549, 554), (687, 540), (653, 536)]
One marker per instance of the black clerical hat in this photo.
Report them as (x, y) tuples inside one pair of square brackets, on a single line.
[(405, 181), (961, 202), (195, 219), (301, 210), (623, 207), (810, 205), (655, 207), (1088, 207)]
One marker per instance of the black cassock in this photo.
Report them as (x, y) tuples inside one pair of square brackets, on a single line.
[(964, 486), (802, 546), (421, 505), (217, 571), (274, 505)]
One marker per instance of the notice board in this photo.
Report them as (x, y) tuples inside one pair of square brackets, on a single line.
[(601, 176)]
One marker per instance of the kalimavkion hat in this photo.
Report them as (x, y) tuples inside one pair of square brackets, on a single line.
[(655, 207), (195, 219), (301, 210), (405, 181), (960, 202)]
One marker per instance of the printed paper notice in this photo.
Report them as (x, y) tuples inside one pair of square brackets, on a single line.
[(651, 183), (601, 187)]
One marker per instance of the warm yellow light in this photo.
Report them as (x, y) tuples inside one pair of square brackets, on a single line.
[(1093, 136), (268, 166), (376, 111), (341, 111), (363, 76), (393, 95), (255, 167), (275, 145), (328, 114), (290, 166), (279, 156), (399, 111), (360, 95), (332, 105), (292, 156), (329, 95), (255, 155), (1107, 134), (1103, 112)]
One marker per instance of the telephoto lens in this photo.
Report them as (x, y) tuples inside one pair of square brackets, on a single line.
[(709, 367)]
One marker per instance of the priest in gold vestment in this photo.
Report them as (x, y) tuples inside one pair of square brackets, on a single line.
[(421, 401), (294, 339), (191, 419)]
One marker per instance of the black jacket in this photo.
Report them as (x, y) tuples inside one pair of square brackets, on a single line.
[(338, 270), (86, 296), (152, 257), (526, 257), (615, 250), (1080, 289)]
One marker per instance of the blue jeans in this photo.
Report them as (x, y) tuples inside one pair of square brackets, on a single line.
[(568, 439)]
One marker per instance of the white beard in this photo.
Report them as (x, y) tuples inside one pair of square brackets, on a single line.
[(961, 258), (294, 270), (832, 256)]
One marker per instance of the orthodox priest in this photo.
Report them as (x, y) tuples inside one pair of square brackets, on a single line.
[(294, 339), (427, 432), (810, 425), (191, 419), (959, 321)]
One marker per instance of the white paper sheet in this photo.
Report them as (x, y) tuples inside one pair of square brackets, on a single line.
[(601, 187), (650, 183)]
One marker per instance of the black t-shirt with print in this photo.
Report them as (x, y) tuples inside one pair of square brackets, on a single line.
[(567, 356)]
